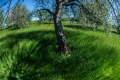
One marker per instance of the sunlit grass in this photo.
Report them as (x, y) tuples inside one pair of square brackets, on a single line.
[(30, 54)]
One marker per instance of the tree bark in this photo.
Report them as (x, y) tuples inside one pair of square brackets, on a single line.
[(61, 40), (95, 26)]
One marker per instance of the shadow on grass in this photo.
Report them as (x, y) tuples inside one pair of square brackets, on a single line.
[(78, 27), (115, 32), (13, 28), (47, 23), (83, 27), (39, 60)]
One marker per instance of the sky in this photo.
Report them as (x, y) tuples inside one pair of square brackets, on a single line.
[(29, 4)]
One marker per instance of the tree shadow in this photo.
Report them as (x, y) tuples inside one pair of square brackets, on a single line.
[(78, 27), (47, 23), (115, 32), (40, 61), (83, 27)]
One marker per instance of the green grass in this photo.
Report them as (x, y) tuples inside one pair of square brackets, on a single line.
[(30, 54)]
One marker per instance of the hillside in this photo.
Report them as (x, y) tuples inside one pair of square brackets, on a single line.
[(30, 54)]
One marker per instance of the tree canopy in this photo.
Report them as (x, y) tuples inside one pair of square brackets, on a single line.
[(18, 15)]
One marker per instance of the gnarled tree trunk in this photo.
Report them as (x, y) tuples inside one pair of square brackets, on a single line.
[(61, 40)]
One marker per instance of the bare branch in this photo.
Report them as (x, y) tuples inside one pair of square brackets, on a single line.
[(4, 4), (48, 10), (113, 11)]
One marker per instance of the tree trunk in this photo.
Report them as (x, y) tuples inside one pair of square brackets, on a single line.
[(118, 30), (16, 26), (95, 26), (61, 40)]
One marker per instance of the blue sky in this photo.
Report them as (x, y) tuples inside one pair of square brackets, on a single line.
[(29, 4)]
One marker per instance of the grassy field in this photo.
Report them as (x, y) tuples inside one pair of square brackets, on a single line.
[(30, 54)]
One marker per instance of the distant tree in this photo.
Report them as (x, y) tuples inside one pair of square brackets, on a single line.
[(19, 16), (118, 23), (96, 13), (43, 16)]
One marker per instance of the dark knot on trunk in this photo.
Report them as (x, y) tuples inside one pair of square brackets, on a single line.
[(63, 46)]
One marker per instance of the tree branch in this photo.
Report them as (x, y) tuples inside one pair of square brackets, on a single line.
[(81, 5), (114, 11), (4, 4), (48, 10)]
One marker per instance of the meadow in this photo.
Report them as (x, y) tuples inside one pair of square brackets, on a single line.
[(30, 54)]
